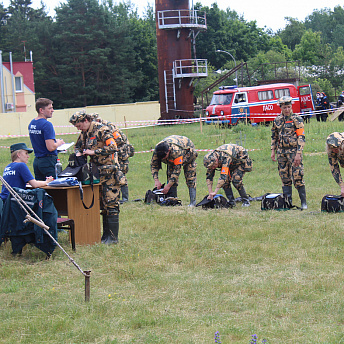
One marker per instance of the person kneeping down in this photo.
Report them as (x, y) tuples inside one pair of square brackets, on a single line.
[(176, 152), (99, 144), (233, 161), (288, 141)]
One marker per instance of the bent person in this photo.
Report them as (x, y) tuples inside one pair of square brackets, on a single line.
[(335, 153), (233, 161), (176, 152), (287, 142)]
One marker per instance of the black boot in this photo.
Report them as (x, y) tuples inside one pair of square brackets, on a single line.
[(125, 193), (106, 232), (302, 194), (172, 192), (113, 226), (230, 196), (244, 197), (288, 190), (192, 194)]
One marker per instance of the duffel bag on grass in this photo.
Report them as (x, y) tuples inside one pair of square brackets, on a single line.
[(276, 201), (332, 203)]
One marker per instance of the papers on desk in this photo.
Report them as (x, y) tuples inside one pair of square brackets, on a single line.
[(64, 147)]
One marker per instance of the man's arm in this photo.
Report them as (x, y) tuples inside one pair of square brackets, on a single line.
[(53, 145)]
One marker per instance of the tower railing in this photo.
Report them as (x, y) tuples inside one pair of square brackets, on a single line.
[(177, 19)]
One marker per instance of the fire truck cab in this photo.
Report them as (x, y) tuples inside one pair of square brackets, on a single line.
[(231, 104)]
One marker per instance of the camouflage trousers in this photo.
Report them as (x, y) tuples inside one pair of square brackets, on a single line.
[(189, 173), (236, 178), (288, 172), (124, 165), (111, 181)]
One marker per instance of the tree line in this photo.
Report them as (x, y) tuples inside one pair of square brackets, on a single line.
[(93, 53)]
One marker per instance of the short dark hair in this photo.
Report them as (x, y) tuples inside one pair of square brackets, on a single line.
[(42, 103)]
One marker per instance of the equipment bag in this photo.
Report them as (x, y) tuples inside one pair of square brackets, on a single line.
[(64, 182), (78, 167), (332, 204), (160, 198), (217, 202), (86, 173), (276, 201)]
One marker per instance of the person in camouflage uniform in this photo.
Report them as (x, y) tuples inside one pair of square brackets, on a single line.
[(233, 161), (97, 142), (125, 151), (288, 140), (177, 152), (335, 153)]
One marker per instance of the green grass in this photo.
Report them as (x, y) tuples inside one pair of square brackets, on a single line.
[(179, 275)]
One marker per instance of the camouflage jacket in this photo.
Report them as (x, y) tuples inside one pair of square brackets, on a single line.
[(230, 157), (182, 152), (336, 159), (100, 139), (288, 133)]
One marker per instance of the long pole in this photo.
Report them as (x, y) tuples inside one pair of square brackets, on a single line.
[(236, 73)]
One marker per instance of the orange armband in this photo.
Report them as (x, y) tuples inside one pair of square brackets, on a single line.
[(110, 142), (225, 170), (300, 131), (178, 161), (116, 134)]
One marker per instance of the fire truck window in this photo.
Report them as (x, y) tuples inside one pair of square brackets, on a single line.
[(264, 95), (282, 92), (240, 98), (221, 99)]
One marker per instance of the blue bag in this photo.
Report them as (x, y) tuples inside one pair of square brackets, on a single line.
[(63, 182)]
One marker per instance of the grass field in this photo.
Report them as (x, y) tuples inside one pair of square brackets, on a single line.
[(180, 274)]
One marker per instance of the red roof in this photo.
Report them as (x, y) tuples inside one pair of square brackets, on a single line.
[(26, 70)]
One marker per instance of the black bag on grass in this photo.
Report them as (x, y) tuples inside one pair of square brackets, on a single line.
[(160, 198), (332, 204), (276, 201), (217, 202)]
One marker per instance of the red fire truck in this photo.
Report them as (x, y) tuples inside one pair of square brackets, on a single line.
[(232, 104)]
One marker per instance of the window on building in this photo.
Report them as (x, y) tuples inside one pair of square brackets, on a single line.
[(19, 83), (264, 95), (282, 92)]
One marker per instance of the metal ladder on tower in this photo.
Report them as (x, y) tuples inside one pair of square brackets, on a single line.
[(170, 94)]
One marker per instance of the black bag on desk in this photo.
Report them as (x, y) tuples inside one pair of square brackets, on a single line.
[(78, 167), (86, 173), (332, 204)]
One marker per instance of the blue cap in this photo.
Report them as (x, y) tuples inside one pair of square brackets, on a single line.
[(19, 146)]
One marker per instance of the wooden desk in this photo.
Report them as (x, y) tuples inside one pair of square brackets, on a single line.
[(87, 221)]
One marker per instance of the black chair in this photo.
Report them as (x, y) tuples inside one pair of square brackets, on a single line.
[(65, 223)]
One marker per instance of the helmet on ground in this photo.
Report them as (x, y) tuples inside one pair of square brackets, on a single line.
[(285, 100), (78, 116), (209, 160)]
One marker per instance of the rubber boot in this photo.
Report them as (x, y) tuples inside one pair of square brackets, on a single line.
[(125, 194), (172, 192), (302, 194), (288, 190), (113, 227), (192, 194), (106, 232), (230, 196), (244, 197)]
